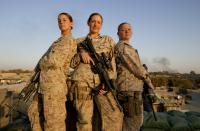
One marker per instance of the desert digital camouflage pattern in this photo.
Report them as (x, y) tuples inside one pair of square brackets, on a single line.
[(131, 76), (54, 67), (84, 73), (130, 72), (84, 80)]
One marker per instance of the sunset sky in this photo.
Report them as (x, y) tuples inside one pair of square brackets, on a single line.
[(166, 32)]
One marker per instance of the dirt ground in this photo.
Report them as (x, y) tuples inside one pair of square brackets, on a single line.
[(22, 124)]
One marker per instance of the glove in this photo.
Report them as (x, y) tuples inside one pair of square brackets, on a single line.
[(152, 98)]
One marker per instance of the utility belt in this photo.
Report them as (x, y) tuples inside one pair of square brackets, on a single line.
[(80, 93), (84, 97), (131, 103)]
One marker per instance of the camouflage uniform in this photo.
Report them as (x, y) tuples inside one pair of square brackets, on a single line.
[(34, 114), (131, 76), (54, 67), (84, 81)]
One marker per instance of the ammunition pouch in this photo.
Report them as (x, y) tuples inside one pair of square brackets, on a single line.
[(83, 93), (131, 104), (84, 97)]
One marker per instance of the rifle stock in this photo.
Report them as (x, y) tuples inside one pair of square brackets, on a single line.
[(26, 92)]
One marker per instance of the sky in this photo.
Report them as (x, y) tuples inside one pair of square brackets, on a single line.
[(166, 32)]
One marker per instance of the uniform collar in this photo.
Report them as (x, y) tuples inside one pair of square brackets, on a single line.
[(126, 42), (67, 36), (98, 37)]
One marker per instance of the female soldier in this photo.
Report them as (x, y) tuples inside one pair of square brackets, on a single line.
[(54, 67), (130, 78), (85, 81)]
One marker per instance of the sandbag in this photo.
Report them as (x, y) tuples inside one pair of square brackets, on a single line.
[(190, 113), (161, 123), (150, 129), (194, 122), (177, 113), (178, 123)]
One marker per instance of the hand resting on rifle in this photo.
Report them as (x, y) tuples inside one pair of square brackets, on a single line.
[(86, 58), (102, 91)]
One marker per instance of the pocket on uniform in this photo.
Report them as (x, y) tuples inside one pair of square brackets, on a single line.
[(138, 103)]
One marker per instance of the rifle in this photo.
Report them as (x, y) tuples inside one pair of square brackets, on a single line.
[(147, 94), (100, 64), (135, 70), (26, 92)]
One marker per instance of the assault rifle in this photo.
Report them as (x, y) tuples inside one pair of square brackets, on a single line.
[(26, 92), (100, 64)]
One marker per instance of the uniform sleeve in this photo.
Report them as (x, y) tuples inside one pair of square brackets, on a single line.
[(56, 57), (79, 47), (130, 59), (54, 66), (76, 59), (112, 73), (133, 63)]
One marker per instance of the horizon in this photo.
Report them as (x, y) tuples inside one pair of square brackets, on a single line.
[(14, 69), (166, 33)]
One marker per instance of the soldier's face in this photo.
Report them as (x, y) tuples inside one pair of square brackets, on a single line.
[(125, 32), (95, 24), (64, 23)]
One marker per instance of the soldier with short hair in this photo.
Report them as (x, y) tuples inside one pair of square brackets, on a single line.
[(131, 76), (54, 67), (85, 81)]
